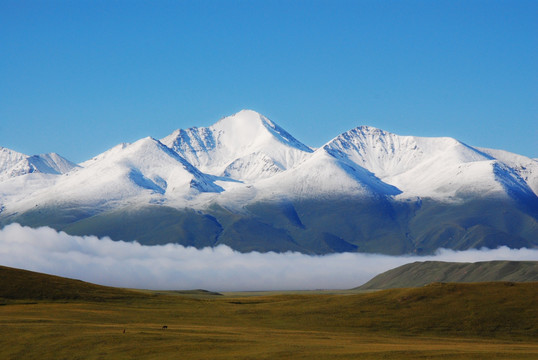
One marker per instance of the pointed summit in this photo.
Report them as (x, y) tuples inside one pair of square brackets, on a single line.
[(243, 118), (250, 143), (250, 128), (145, 171), (9, 158), (437, 167), (13, 164), (385, 153), (149, 164)]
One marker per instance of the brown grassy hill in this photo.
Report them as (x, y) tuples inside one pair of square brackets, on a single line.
[(422, 273), (17, 284), (472, 309), (441, 321), (496, 320)]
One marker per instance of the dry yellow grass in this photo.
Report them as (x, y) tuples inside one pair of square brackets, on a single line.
[(95, 331), (259, 327), (441, 321)]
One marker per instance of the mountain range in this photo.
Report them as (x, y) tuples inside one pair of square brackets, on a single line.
[(248, 183)]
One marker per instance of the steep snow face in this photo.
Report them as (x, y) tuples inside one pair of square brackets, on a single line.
[(324, 174), (387, 154), (526, 168), (145, 171), (441, 168), (52, 163), (13, 164), (253, 166), (48, 164), (9, 158), (146, 164), (244, 146)]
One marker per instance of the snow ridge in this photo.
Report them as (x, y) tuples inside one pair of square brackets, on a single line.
[(13, 164), (441, 168)]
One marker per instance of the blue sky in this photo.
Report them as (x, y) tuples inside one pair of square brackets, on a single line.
[(78, 77)]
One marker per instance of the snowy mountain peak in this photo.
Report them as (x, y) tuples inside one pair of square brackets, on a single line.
[(13, 164), (144, 154), (231, 146), (385, 153), (143, 171), (8, 158), (243, 118), (253, 128), (51, 163), (367, 129), (441, 168)]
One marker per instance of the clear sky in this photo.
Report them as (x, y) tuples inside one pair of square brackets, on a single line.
[(78, 77)]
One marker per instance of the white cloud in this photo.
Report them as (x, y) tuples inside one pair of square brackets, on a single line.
[(172, 266)]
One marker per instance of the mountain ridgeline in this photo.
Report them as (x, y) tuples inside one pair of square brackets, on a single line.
[(247, 183)]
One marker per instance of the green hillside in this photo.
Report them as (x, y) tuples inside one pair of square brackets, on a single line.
[(421, 273)]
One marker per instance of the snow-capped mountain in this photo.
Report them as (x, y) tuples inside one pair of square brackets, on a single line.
[(13, 164), (441, 168), (244, 146), (524, 167), (326, 174), (145, 171), (147, 165), (248, 183), (9, 158)]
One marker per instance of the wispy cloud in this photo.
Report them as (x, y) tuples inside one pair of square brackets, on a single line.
[(172, 266)]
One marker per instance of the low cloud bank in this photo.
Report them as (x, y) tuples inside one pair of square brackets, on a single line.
[(126, 264)]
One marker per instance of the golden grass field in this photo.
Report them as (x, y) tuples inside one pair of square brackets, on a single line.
[(439, 321)]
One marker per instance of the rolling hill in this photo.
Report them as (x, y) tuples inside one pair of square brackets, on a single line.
[(422, 273), (60, 318), (17, 284)]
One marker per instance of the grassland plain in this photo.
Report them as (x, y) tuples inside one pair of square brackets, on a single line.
[(439, 321)]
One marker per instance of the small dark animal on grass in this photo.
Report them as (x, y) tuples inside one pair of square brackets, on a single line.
[(164, 327)]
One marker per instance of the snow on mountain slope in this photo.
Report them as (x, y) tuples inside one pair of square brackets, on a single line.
[(14, 164), (9, 158), (54, 162), (145, 171), (387, 154), (247, 183), (148, 164), (244, 146), (20, 193), (324, 174), (251, 167), (525, 167), (49, 164), (246, 157), (440, 168)]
